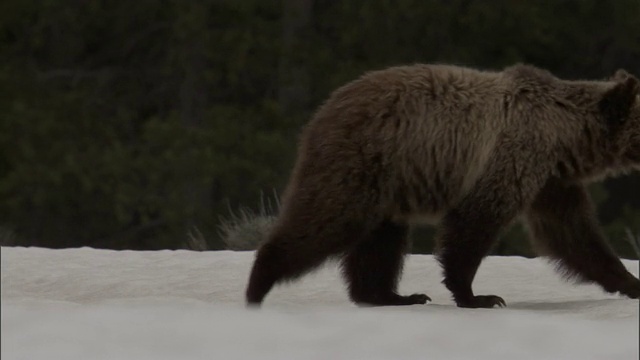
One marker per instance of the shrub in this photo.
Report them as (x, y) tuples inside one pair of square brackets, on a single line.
[(247, 229)]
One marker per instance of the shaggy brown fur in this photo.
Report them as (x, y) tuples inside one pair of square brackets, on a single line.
[(472, 149)]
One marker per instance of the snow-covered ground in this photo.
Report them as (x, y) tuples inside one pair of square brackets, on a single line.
[(96, 304)]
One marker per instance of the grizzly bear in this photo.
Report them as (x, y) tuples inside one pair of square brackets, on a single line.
[(471, 150)]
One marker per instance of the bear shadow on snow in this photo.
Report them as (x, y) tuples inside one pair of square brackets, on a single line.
[(563, 306)]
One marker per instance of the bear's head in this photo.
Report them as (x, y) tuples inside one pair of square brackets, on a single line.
[(620, 106)]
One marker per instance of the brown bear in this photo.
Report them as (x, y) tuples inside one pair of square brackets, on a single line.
[(471, 149)]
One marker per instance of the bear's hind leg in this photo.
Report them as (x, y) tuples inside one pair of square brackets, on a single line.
[(373, 267), (299, 243)]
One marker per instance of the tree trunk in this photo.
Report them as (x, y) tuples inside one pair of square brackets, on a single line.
[(293, 91), (191, 28)]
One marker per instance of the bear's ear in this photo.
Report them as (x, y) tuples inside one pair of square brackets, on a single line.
[(616, 103), (619, 75)]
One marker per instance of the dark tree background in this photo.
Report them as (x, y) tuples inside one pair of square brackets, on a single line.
[(124, 124)]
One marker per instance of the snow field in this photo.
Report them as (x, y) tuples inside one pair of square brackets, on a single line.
[(99, 304)]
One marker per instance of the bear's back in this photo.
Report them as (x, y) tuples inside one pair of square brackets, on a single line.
[(426, 129)]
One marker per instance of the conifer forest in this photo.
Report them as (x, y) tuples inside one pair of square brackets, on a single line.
[(149, 124)]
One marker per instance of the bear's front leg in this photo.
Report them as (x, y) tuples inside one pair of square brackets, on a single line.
[(563, 226), (513, 177), (467, 235)]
